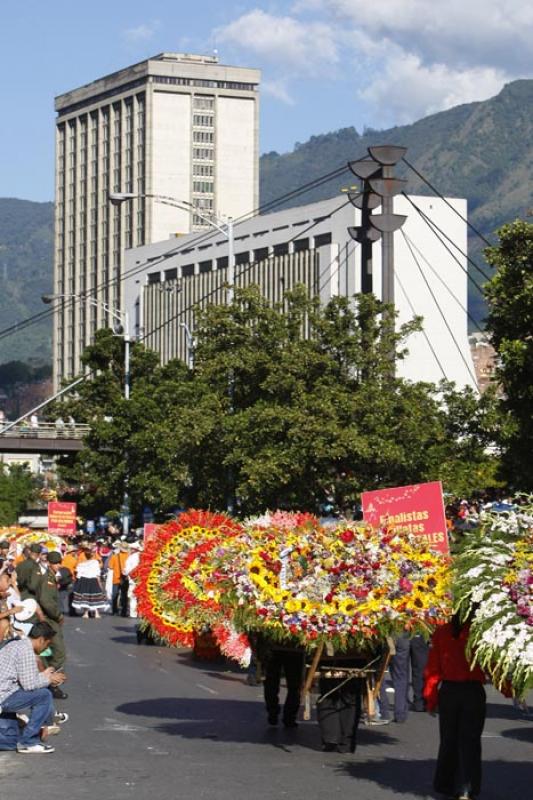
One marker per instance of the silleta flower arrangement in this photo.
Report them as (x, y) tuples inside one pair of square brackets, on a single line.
[(342, 585), (294, 581), (176, 588), (493, 585)]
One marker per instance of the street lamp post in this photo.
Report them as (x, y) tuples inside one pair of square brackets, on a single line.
[(123, 330)]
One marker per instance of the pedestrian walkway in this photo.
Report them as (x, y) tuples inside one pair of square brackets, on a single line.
[(148, 722)]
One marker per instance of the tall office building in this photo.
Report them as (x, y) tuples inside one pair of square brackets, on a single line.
[(176, 126)]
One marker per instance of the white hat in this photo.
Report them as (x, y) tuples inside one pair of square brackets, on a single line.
[(29, 607)]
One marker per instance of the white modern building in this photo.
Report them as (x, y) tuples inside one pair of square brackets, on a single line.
[(175, 124), (168, 281)]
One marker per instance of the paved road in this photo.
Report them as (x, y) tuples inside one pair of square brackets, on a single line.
[(148, 722)]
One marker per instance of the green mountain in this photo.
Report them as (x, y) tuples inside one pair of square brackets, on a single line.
[(481, 151), (26, 267)]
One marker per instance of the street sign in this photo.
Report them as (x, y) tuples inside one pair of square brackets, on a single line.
[(416, 509), (62, 518)]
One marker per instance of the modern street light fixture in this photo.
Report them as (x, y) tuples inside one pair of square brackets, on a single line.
[(121, 329), (224, 226)]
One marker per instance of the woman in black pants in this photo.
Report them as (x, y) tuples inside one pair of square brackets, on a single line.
[(456, 687)]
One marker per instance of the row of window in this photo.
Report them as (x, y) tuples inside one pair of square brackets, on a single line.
[(203, 153), (203, 186), (170, 80), (203, 136), (203, 121)]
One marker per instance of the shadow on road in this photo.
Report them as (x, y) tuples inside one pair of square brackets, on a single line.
[(522, 734), (501, 779), (232, 721), (502, 711)]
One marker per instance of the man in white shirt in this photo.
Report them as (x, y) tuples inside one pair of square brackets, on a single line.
[(132, 562), (22, 686)]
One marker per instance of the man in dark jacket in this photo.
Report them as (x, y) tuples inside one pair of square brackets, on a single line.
[(29, 572), (50, 602)]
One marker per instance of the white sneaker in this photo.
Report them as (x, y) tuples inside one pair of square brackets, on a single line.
[(35, 748), (60, 717)]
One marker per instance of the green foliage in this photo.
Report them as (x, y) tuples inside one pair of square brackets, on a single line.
[(293, 405), (16, 489), (510, 322), (26, 266)]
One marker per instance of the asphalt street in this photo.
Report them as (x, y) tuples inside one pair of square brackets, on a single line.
[(148, 722)]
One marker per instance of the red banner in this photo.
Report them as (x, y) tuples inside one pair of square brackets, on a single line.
[(417, 509), (62, 518)]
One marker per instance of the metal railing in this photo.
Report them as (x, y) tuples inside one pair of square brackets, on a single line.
[(44, 430)]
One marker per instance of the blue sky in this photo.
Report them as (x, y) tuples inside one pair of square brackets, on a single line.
[(326, 64)]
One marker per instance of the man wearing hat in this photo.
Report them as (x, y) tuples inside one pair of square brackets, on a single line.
[(29, 572), (49, 600)]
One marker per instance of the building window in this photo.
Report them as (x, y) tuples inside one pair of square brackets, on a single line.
[(187, 271), (242, 258), (206, 266), (281, 249), (261, 254), (154, 277), (171, 274), (322, 239), (300, 245)]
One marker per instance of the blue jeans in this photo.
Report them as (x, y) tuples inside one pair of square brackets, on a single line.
[(41, 706)]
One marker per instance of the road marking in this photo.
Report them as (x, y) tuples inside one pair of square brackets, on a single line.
[(206, 688), (79, 630)]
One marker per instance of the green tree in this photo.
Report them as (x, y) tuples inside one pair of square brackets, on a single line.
[(16, 489), (510, 323), (291, 405)]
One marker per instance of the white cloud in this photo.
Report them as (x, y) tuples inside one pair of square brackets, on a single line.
[(277, 89), (142, 32), (413, 57), (468, 32), (304, 48), (407, 90)]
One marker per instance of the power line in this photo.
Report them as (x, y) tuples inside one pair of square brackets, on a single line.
[(337, 268), (424, 332), (433, 225), (434, 271), (203, 236), (441, 312), (436, 191)]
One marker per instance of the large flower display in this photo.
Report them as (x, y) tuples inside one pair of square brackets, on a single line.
[(175, 586), (21, 537), (340, 585), (290, 579), (493, 587)]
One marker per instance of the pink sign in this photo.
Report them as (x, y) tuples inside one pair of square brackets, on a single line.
[(62, 518), (417, 509), (150, 529)]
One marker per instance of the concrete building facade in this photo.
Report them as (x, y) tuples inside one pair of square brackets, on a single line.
[(167, 282), (175, 124)]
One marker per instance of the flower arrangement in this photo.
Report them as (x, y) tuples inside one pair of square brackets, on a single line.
[(25, 536), (289, 578), (282, 521), (175, 589), (342, 585), (493, 587)]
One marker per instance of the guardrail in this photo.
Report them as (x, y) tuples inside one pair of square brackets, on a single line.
[(44, 430)]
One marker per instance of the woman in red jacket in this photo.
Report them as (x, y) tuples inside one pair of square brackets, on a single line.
[(457, 688)]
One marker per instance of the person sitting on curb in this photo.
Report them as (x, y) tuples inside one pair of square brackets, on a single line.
[(22, 686)]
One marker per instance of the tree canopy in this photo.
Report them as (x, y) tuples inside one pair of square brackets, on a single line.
[(294, 405), (510, 323)]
